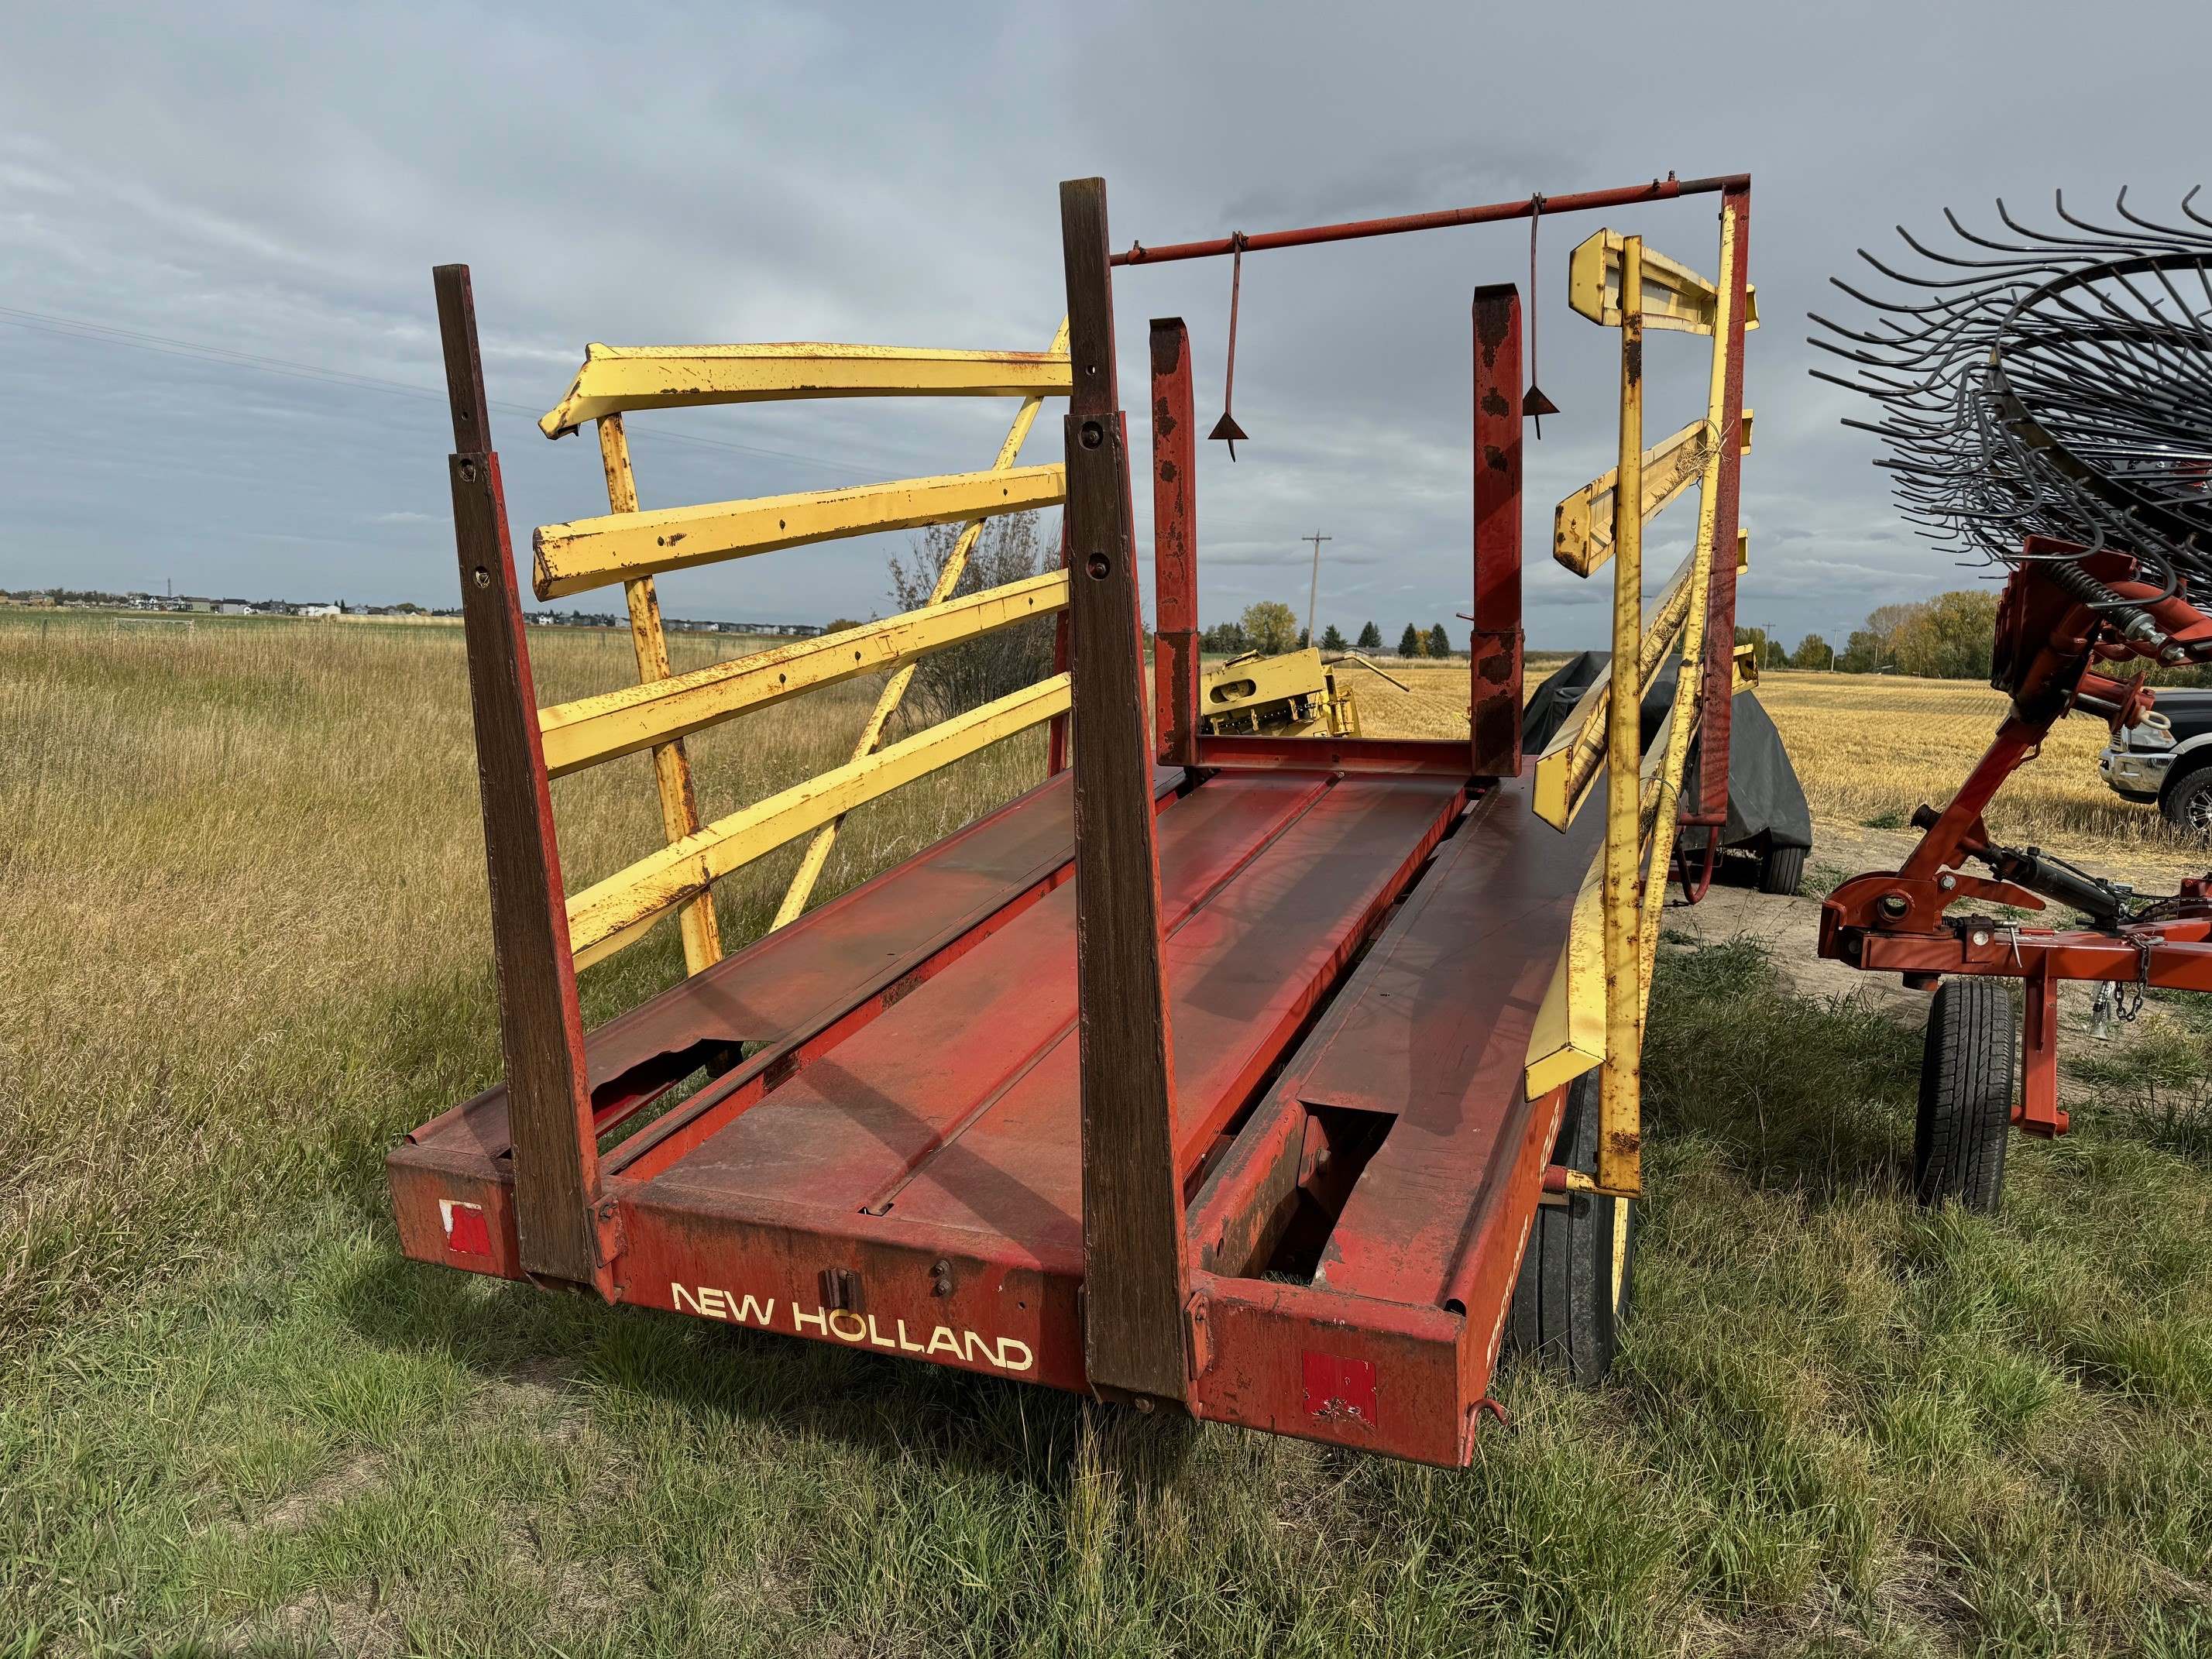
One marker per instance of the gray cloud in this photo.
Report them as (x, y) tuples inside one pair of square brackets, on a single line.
[(274, 181)]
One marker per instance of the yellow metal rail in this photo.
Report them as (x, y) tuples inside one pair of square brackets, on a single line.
[(1576, 752), (1593, 1015), (1618, 1147), (592, 729), (573, 558), (617, 378), (616, 912), (817, 855), (633, 546)]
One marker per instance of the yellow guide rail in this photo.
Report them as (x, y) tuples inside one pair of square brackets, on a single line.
[(1593, 1015), (633, 545)]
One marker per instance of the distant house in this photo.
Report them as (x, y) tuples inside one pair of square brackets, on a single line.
[(319, 611), (233, 608)]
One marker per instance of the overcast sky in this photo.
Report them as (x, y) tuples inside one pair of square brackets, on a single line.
[(276, 181)]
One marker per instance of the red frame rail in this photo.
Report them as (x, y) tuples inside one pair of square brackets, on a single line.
[(1227, 982)]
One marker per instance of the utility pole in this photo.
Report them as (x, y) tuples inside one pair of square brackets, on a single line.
[(1313, 593)]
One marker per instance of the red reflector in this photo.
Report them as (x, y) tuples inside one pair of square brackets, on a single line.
[(467, 1233), (1338, 1389)]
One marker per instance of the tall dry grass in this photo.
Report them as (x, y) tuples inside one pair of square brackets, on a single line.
[(246, 935), (246, 950)]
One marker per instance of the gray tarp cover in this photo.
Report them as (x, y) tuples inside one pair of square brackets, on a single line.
[(1763, 795)]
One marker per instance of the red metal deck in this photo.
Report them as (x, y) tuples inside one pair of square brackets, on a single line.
[(897, 1164)]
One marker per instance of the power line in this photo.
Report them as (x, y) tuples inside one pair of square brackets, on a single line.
[(193, 350)]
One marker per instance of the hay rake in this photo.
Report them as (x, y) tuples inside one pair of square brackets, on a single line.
[(2046, 402)]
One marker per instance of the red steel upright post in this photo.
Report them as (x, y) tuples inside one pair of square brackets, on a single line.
[(1136, 1274), (1720, 591), (1174, 545), (1494, 654), (556, 1174)]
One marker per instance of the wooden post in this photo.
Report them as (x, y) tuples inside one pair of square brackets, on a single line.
[(672, 767), (1135, 1274), (1494, 652), (1174, 545), (557, 1176), (1720, 591)]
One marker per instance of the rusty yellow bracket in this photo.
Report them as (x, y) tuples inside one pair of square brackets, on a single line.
[(596, 728), (1582, 524), (1675, 296), (816, 856), (617, 378), (615, 913), (573, 558)]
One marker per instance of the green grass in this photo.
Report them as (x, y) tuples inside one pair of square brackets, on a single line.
[(232, 1419)]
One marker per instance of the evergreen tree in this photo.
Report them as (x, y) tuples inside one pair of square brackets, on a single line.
[(1409, 642), (1330, 639), (1439, 642), (1371, 638)]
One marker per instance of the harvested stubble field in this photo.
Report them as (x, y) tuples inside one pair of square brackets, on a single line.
[(247, 950), (1869, 748)]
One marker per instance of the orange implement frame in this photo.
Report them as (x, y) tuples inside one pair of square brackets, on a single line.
[(1196, 1078)]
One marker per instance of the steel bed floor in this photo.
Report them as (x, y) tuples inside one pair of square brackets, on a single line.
[(890, 1157)]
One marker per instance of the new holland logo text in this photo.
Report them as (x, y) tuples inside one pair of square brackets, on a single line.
[(1006, 1353)]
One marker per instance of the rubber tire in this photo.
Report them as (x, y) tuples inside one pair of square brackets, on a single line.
[(2190, 793), (1965, 1119), (1781, 870), (1565, 1314)]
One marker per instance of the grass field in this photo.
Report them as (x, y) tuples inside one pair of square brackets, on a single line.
[(247, 951)]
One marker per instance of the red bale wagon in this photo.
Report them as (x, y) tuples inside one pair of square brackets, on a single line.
[(1220, 1074)]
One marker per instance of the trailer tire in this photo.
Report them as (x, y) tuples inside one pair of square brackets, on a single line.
[(1781, 869), (1966, 1097), (1578, 1272)]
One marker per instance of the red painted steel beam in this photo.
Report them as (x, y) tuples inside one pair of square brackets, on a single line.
[(1494, 652), (2173, 964), (1719, 690), (1174, 545), (1442, 757), (1658, 189), (2039, 1112)]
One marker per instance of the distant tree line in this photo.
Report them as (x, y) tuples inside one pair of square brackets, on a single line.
[(1949, 637), (1271, 627)]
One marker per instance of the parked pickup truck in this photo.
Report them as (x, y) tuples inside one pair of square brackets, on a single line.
[(2167, 759)]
